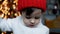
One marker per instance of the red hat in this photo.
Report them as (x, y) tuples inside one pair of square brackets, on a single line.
[(31, 3)]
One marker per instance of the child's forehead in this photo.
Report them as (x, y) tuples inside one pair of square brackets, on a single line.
[(36, 9), (36, 13)]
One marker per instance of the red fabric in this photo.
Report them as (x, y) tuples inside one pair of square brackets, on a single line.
[(29, 3)]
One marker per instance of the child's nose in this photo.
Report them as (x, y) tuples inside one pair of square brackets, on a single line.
[(32, 21)]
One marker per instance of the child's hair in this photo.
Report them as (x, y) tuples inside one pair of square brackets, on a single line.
[(29, 10)]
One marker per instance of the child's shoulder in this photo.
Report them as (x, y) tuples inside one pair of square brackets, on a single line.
[(45, 27), (17, 19)]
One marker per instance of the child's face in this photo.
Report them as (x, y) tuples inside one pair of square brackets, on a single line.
[(33, 20)]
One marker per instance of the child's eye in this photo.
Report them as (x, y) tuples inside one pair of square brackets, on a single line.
[(28, 17), (37, 17)]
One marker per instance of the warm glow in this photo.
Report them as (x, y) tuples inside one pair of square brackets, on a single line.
[(14, 6), (6, 6)]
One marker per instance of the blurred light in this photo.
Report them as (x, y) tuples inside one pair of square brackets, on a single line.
[(16, 14), (55, 7), (14, 7), (2, 33), (5, 9), (2, 15), (8, 13), (0, 0)]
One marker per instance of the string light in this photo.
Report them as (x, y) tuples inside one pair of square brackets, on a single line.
[(6, 5), (14, 6)]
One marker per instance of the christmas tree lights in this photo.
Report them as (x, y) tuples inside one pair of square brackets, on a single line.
[(7, 7)]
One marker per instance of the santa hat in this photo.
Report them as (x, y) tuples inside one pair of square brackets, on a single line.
[(31, 3)]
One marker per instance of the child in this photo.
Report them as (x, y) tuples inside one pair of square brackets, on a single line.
[(30, 21)]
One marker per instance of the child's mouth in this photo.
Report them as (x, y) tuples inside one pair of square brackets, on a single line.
[(31, 25)]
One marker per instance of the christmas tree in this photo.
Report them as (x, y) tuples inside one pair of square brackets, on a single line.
[(8, 7)]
